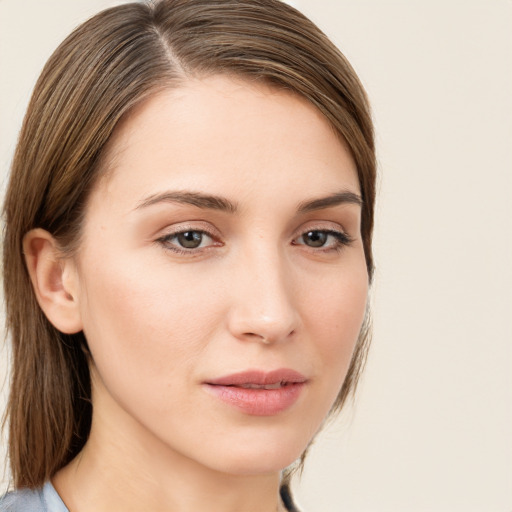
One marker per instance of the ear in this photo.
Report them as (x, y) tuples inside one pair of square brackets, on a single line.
[(54, 279)]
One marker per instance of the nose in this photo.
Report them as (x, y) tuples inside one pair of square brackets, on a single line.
[(263, 305)]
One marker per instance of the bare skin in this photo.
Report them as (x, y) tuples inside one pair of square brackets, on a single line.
[(224, 237)]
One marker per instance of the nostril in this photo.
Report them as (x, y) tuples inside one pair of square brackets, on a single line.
[(273, 322), (260, 337), (266, 339)]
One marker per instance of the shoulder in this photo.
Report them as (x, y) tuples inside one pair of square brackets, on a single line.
[(29, 500), (44, 499)]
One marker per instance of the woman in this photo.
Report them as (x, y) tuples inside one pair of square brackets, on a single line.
[(186, 282)]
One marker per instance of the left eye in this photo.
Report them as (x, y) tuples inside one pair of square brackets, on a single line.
[(317, 238), (188, 239)]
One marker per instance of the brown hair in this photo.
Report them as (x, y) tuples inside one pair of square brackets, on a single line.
[(105, 67)]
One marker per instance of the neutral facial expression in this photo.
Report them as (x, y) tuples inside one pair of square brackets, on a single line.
[(222, 277)]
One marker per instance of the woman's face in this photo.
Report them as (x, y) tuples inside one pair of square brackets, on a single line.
[(221, 279)]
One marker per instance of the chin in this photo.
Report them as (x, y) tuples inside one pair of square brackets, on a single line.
[(257, 465), (262, 456)]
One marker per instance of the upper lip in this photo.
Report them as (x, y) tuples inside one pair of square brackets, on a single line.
[(259, 377)]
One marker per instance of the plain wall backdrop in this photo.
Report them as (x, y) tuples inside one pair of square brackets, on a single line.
[(431, 429)]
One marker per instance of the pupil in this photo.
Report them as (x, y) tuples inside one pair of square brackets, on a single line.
[(315, 238), (190, 239)]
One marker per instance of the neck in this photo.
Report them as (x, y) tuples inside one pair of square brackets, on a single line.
[(127, 469)]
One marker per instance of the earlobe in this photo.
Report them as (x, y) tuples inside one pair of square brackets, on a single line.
[(54, 280)]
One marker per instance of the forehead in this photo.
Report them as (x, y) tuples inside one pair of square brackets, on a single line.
[(224, 133)]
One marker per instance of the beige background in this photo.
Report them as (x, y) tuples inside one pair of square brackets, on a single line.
[(432, 428)]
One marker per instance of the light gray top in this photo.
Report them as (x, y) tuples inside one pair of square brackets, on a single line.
[(45, 499)]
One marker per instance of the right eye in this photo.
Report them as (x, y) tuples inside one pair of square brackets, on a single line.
[(187, 240)]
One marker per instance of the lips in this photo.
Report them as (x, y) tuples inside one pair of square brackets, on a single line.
[(257, 392)]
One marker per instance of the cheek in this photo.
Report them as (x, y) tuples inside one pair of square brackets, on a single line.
[(344, 313), (335, 318), (143, 324)]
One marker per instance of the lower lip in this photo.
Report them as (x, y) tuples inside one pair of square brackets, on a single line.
[(258, 402)]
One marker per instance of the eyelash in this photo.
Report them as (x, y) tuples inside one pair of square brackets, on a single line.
[(166, 241), (341, 240)]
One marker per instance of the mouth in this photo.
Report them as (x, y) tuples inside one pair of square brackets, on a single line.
[(275, 378), (259, 393), (277, 385)]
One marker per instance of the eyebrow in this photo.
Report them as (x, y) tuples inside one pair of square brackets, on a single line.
[(212, 202), (330, 201), (205, 201)]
